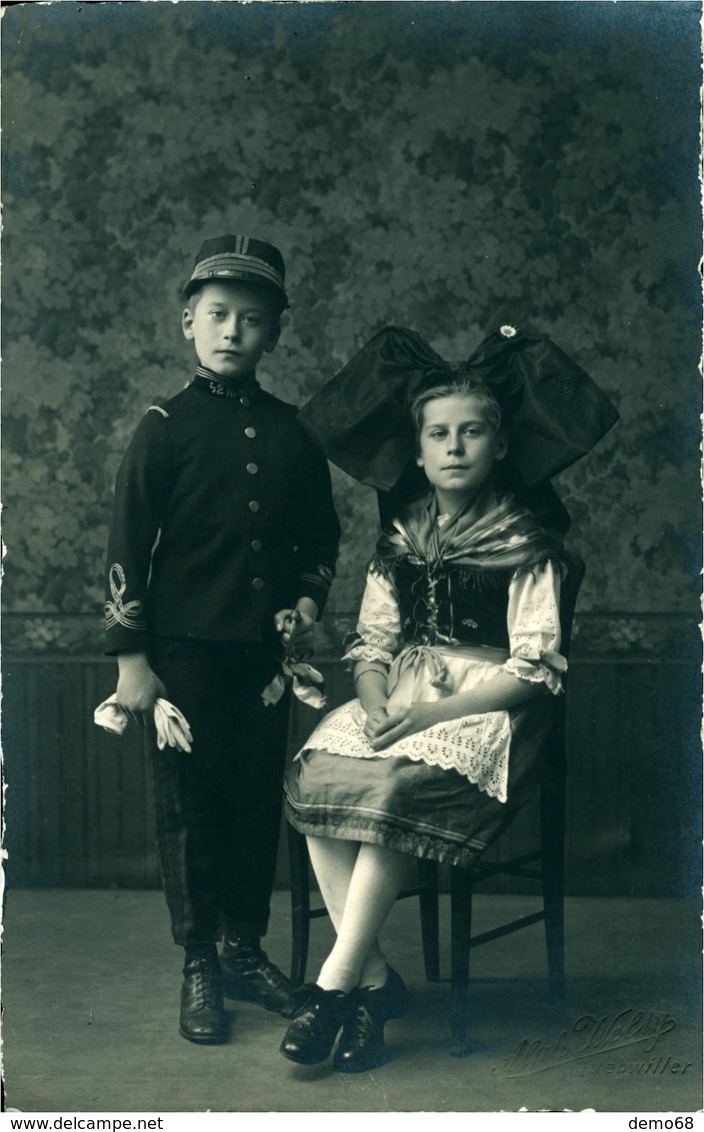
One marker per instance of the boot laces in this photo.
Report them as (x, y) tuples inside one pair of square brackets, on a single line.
[(204, 983)]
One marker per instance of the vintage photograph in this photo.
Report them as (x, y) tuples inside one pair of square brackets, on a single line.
[(352, 552)]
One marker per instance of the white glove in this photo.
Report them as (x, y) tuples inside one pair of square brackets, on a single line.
[(172, 728)]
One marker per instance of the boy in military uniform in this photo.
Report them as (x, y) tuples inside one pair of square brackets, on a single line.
[(222, 548)]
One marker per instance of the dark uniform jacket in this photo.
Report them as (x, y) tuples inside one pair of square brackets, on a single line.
[(223, 515)]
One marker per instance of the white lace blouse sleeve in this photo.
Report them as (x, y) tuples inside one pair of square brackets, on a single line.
[(379, 627), (534, 627)]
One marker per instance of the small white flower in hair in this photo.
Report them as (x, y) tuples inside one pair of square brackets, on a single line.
[(508, 331)]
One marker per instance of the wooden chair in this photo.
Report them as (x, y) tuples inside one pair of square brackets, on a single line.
[(544, 865)]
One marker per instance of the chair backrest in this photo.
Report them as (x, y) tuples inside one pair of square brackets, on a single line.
[(569, 592), (554, 757)]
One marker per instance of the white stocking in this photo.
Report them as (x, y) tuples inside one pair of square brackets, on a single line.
[(333, 863), (359, 884)]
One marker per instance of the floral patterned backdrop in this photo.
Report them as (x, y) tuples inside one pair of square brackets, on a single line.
[(437, 166)]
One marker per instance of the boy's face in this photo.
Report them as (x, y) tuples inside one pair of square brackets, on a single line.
[(458, 446), (231, 325)]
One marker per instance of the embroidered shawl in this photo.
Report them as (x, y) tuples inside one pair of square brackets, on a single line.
[(505, 540)]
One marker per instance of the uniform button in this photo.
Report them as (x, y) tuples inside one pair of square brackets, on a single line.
[(253, 505), (250, 432), (257, 583), (252, 469), (245, 401), (255, 544)]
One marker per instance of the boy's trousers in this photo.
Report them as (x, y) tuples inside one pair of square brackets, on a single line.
[(218, 809)]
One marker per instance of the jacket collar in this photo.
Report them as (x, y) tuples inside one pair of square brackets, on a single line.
[(219, 386)]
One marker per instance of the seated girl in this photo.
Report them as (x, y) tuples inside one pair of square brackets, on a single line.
[(457, 655)]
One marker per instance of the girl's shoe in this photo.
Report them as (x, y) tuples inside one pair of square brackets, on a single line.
[(311, 1036), (362, 1045)]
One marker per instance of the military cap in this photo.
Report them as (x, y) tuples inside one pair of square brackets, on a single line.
[(242, 258)]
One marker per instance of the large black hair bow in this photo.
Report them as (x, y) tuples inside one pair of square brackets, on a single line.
[(553, 412)]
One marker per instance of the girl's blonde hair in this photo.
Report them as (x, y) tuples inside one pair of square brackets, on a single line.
[(462, 387)]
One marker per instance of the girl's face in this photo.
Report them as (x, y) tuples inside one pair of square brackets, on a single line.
[(458, 448)]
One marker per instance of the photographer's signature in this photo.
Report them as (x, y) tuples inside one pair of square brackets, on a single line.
[(588, 1036)]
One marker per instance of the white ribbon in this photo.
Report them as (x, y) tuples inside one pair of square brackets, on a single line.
[(307, 684), (418, 657)]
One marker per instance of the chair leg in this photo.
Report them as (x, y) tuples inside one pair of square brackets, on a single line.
[(429, 919), (553, 854), (460, 936), (553, 903), (300, 904)]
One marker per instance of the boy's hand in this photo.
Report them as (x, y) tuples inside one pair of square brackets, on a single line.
[(407, 721), (137, 686), (297, 631)]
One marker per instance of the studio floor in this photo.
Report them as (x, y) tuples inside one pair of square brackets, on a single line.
[(90, 987)]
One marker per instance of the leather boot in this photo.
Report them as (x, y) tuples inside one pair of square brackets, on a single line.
[(202, 1016), (250, 976), (310, 1038), (362, 1045)]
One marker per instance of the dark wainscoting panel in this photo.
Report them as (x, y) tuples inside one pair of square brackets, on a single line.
[(78, 812), (77, 809)]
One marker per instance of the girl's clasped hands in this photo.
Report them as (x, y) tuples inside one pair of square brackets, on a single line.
[(383, 728)]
